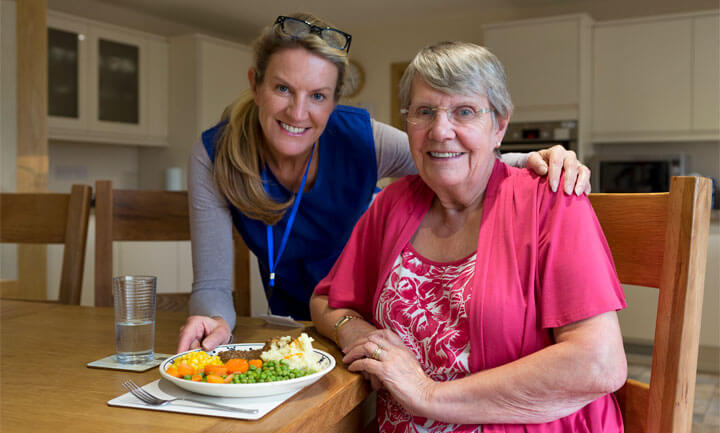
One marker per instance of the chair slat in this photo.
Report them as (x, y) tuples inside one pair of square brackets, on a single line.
[(33, 218), (136, 216), (76, 234), (638, 243)]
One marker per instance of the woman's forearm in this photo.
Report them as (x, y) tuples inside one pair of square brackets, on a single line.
[(324, 318), (549, 384)]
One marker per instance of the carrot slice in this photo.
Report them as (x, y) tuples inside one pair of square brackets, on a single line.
[(229, 378), (237, 365), (185, 370), (211, 378), (217, 370), (197, 378), (256, 362), (172, 371)]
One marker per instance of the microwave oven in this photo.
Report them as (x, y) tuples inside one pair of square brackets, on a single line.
[(636, 173)]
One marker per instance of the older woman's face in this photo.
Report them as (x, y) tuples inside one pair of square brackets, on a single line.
[(295, 100), (447, 154)]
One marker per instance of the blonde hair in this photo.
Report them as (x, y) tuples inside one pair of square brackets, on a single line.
[(241, 152), (460, 68)]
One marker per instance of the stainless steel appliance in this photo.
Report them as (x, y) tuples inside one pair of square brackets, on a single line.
[(636, 173), (530, 136)]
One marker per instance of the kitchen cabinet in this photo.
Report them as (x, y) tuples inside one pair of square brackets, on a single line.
[(106, 84), (656, 79), (546, 62), (705, 115)]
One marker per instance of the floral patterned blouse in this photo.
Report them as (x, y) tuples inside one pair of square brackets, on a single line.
[(424, 302)]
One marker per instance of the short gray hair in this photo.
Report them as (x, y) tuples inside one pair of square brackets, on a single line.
[(459, 68)]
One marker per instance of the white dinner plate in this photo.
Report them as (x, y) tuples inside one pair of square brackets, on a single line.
[(327, 363)]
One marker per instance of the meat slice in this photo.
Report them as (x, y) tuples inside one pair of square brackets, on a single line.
[(243, 354)]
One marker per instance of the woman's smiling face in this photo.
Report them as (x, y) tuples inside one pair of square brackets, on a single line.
[(295, 100), (447, 154)]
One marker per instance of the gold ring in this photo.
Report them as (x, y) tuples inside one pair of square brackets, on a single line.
[(376, 353)]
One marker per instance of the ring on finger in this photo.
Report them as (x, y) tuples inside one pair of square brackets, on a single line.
[(377, 352)]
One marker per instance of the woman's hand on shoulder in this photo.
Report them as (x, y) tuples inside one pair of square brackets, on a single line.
[(553, 161), (384, 356), (203, 332)]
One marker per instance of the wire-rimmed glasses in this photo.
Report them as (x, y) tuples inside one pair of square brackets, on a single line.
[(424, 116), (297, 28)]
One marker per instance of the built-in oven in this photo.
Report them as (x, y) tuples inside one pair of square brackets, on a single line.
[(636, 173), (530, 136)]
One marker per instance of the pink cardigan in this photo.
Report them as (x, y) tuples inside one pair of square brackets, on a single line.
[(542, 262)]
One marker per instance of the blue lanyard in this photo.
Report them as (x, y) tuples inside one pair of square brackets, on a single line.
[(291, 219)]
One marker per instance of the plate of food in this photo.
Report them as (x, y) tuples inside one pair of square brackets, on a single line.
[(281, 365)]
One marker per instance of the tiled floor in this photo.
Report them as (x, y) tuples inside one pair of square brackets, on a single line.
[(706, 411)]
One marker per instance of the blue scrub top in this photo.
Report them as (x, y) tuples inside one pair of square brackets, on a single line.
[(343, 189)]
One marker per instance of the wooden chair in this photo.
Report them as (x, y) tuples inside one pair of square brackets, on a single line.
[(49, 218), (136, 215), (660, 240)]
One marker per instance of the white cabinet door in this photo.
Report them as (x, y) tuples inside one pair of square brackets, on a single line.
[(641, 79), (706, 74), (542, 60), (119, 80)]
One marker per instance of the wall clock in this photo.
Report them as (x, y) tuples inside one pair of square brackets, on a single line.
[(354, 80)]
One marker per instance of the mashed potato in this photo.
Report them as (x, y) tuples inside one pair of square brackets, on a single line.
[(298, 353)]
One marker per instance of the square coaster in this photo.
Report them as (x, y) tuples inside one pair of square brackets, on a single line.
[(111, 363)]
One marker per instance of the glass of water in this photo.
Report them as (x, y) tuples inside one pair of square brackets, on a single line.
[(134, 298)]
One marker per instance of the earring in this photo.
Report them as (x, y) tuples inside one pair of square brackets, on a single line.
[(498, 144)]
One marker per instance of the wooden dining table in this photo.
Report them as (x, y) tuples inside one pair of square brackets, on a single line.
[(46, 386)]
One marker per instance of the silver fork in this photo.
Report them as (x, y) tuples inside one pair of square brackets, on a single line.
[(150, 399)]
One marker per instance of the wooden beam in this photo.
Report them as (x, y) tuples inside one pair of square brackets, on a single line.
[(32, 132)]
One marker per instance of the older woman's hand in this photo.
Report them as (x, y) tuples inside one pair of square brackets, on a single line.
[(384, 356), (556, 159)]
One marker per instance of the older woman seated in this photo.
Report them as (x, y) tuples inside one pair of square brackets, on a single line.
[(472, 296)]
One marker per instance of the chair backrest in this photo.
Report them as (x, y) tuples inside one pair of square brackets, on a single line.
[(660, 240), (50, 218), (137, 215)]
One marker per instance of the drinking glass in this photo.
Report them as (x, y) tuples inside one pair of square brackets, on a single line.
[(134, 298)]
